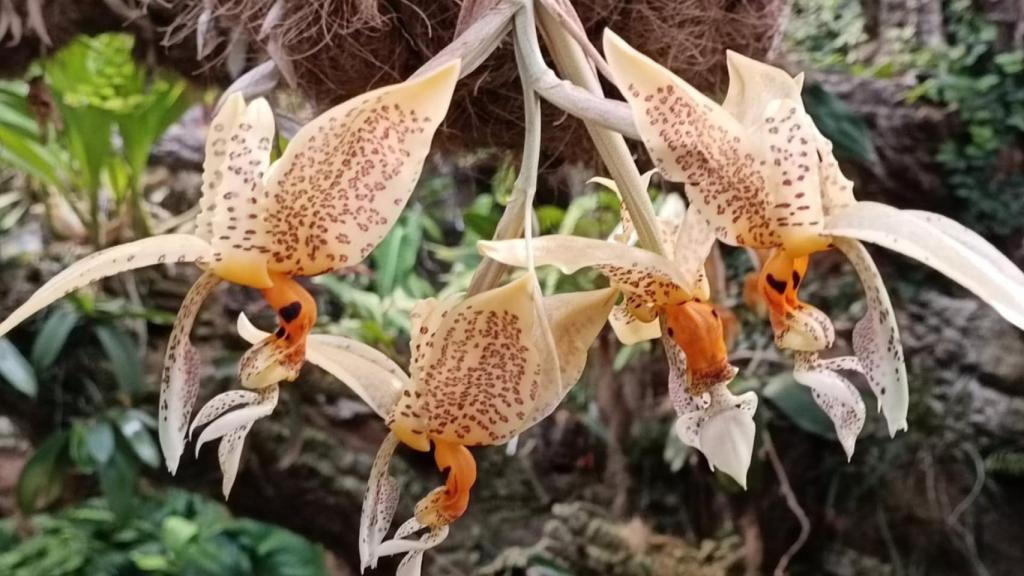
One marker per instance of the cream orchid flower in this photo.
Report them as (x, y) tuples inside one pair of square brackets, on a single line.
[(762, 176), (324, 205), (673, 290), (483, 370)]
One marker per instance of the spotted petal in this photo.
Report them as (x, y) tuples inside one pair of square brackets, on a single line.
[(374, 377), (379, 504), (914, 237), (229, 416), (412, 564), (652, 277), (876, 340), (237, 156), (695, 141), (345, 177), (836, 396), (481, 377), (179, 383), (168, 248)]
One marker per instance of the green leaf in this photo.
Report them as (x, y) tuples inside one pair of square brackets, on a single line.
[(52, 337), (132, 425), (125, 360), (797, 404), (840, 124), (483, 225), (99, 439), (117, 480), (16, 370), (42, 478), (176, 532)]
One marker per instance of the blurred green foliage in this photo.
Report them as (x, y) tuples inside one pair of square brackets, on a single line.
[(983, 163), (93, 141), (103, 436), (177, 534)]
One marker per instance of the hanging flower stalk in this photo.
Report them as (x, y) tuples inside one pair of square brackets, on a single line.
[(670, 290), (761, 175), (324, 205)]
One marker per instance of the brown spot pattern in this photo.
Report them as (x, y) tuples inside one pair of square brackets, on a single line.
[(699, 144), (344, 181), (179, 382)]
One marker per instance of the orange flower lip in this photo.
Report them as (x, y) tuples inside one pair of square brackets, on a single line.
[(697, 328), (461, 467)]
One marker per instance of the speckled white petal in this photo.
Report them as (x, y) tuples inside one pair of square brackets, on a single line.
[(164, 249), (483, 352), (179, 381), (237, 156), (232, 427), (259, 405), (911, 236), (876, 340), (836, 396), (379, 504), (692, 246)]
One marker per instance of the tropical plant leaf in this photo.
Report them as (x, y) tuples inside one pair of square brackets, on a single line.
[(52, 336), (16, 370), (42, 478), (125, 360)]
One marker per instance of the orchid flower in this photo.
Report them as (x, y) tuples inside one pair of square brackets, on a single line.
[(324, 205), (762, 175), (670, 290), (483, 369)]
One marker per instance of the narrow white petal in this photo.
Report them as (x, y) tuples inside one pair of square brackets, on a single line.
[(972, 241), (229, 454), (876, 340), (179, 382), (836, 396), (263, 405), (911, 236), (168, 248), (379, 504)]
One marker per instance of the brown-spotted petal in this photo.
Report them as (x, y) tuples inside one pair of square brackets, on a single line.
[(379, 504), (179, 382), (480, 379), (834, 393), (164, 249), (788, 136), (693, 140), (345, 177), (651, 277), (237, 157), (229, 416), (876, 340)]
